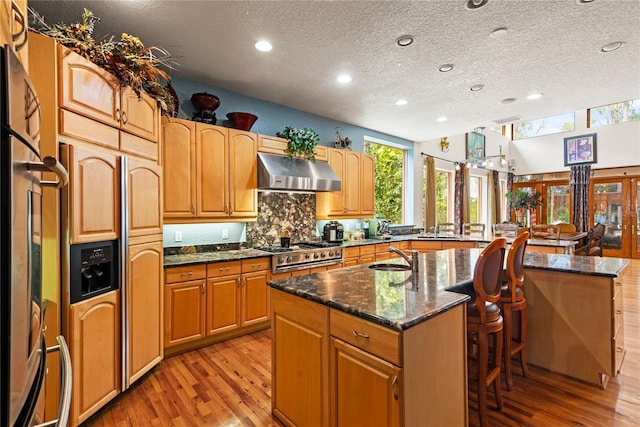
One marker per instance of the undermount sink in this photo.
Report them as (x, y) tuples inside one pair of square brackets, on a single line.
[(390, 267)]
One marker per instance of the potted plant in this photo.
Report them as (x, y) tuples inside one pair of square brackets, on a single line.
[(522, 202), (301, 142)]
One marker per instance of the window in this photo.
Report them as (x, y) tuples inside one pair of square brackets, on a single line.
[(619, 112), (546, 126), (444, 196), (504, 215), (475, 196), (389, 180)]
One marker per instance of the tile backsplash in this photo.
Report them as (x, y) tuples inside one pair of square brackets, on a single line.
[(278, 211)]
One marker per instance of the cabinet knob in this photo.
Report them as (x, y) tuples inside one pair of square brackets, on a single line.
[(203, 288), (117, 114), (125, 119), (393, 387), (193, 209)]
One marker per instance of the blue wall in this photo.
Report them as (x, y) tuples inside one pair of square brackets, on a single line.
[(273, 118)]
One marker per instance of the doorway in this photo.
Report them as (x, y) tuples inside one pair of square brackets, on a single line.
[(616, 205)]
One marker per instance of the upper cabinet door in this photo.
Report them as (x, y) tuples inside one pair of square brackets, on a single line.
[(212, 171), (178, 161), (140, 115), (87, 89), (145, 194), (94, 188), (351, 183), (336, 198), (243, 151), (367, 193)]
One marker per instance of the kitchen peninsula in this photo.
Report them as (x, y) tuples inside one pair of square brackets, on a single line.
[(357, 342)]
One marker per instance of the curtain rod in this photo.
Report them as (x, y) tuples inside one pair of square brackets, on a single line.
[(457, 162)]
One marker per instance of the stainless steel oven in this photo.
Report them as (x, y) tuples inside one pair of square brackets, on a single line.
[(302, 256), (22, 347)]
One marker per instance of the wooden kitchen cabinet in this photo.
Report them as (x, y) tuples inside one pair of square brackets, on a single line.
[(255, 292), (278, 146), (184, 304), (95, 93), (95, 354), (223, 296), (145, 300), (94, 191), (144, 198), (179, 171), (356, 197), (209, 172), (358, 379), (324, 359)]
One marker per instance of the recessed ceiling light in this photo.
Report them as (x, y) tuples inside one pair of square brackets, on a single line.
[(508, 101), (498, 33), (263, 46), (441, 119), (583, 1), (404, 41), (475, 4), (477, 87), (445, 68), (534, 96), (611, 47), (344, 78), (402, 102)]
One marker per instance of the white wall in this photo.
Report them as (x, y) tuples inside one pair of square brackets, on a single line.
[(617, 145)]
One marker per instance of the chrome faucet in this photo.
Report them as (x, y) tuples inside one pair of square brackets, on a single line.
[(413, 261)]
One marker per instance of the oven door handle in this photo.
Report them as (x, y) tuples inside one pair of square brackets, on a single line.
[(65, 385), (51, 164)]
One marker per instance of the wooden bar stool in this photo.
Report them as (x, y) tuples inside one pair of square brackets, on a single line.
[(512, 300), (484, 319)]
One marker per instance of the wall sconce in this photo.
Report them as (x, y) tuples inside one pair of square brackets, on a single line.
[(444, 144)]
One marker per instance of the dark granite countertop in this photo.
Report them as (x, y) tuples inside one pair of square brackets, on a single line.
[(591, 265), (232, 255), (393, 299), (218, 256)]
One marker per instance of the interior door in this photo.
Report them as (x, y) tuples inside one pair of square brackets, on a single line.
[(611, 206)]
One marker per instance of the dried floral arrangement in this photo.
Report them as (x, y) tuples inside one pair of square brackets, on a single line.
[(128, 59)]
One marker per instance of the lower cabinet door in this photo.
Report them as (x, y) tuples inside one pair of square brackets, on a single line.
[(222, 304), (94, 345), (255, 298), (144, 296), (366, 390), (184, 308)]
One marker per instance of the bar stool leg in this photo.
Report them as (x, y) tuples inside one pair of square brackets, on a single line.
[(523, 341), (483, 366), (497, 357), (507, 314)]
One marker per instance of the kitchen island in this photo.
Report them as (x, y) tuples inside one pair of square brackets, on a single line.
[(390, 349), (358, 346)]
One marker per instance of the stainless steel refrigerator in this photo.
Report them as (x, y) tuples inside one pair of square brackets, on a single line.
[(22, 345)]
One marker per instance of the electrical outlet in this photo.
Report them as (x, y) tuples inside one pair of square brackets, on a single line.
[(225, 233), (178, 236), (357, 226)]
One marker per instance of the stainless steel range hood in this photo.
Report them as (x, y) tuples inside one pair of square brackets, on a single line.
[(294, 174)]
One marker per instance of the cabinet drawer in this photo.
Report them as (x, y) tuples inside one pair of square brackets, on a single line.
[(404, 245), (223, 268), (382, 247), (368, 250), (382, 342), (85, 129), (617, 313), (381, 256), (351, 252), (618, 351), (256, 264), (140, 146), (188, 272)]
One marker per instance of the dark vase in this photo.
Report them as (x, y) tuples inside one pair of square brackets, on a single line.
[(176, 102)]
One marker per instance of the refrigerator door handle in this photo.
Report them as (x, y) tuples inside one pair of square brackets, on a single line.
[(51, 164), (65, 385)]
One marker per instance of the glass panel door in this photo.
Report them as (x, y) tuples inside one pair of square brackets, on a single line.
[(558, 203), (611, 207)]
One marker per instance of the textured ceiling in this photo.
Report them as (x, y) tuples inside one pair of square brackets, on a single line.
[(551, 46)]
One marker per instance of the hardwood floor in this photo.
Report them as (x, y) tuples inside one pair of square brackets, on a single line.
[(229, 384)]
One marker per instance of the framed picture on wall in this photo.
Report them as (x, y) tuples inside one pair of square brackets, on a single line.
[(475, 145), (580, 149)]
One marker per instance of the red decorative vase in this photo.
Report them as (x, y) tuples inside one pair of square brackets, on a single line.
[(242, 121)]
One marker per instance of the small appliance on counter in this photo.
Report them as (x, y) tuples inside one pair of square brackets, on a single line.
[(333, 232)]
